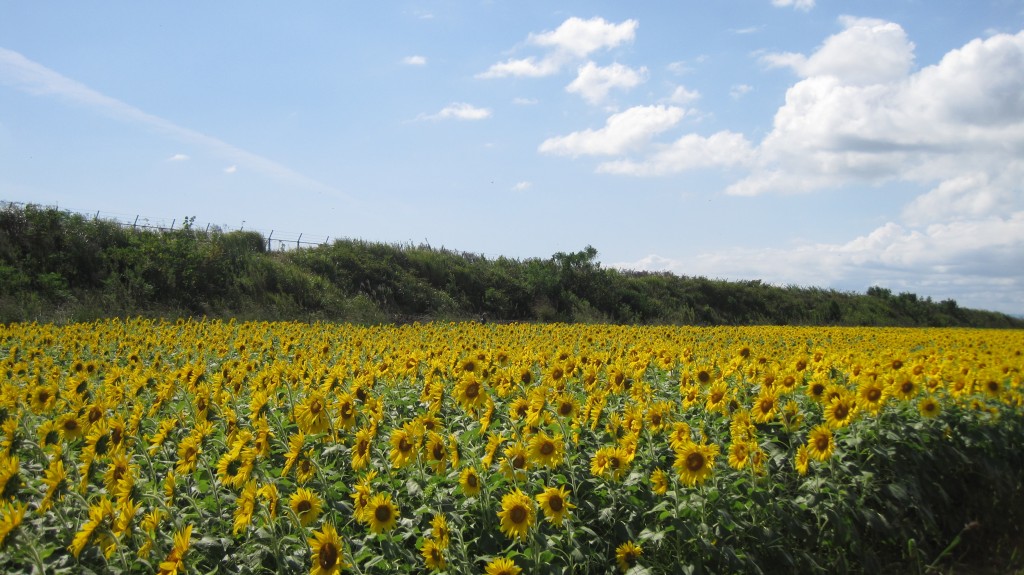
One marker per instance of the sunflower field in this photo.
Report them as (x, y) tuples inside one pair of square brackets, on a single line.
[(152, 446)]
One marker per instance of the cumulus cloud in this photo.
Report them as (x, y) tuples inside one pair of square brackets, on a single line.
[(860, 114), (721, 150), (593, 82), (681, 95), (622, 132), (573, 40), (459, 111), (978, 263), (737, 91), (415, 60)]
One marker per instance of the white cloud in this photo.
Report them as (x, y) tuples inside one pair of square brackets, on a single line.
[(681, 95), (230, 169), (868, 51), (622, 132), (177, 158), (593, 82), (415, 60), (573, 40), (804, 5), (978, 263), (525, 101), (459, 111), (739, 90), (723, 149), (522, 186), (34, 78)]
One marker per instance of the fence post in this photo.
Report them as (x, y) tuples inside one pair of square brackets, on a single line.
[(135, 223), (298, 241), (172, 223), (268, 239)]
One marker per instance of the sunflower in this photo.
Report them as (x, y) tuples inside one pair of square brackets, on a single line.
[(554, 502), (871, 395), (347, 411), (739, 454), (311, 413), (695, 462), (469, 481), (56, 481), (680, 435), (175, 559), (611, 461), (903, 386), (433, 555), (245, 507), (803, 459), (517, 514), (820, 443), (11, 514), (627, 555), (502, 566), (380, 513), (188, 454), (659, 481), (42, 398), (70, 427), (516, 461), (765, 406), (306, 505), (439, 531), (403, 447), (840, 411), (929, 407), (361, 494), (469, 392), (437, 452), (326, 553), (717, 396), (545, 450), (361, 449)]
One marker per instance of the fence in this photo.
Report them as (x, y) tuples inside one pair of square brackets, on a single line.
[(278, 239)]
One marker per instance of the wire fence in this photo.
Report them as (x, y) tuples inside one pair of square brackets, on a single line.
[(275, 239)]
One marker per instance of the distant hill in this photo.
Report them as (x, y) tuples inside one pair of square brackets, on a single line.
[(59, 266)]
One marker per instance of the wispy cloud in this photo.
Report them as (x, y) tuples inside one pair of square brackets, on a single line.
[(804, 5), (522, 186), (33, 78), (459, 111), (415, 60), (177, 158), (230, 169)]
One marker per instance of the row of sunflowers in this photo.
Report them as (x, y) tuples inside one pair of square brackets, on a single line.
[(198, 446)]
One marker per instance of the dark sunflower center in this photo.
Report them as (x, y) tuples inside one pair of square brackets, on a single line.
[(404, 445), (43, 396), (703, 376), (841, 411), (438, 451), (907, 386), (695, 462), (555, 503), (821, 443), (565, 409), (315, 407), (472, 390), (519, 461), (547, 448), (471, 480), (328, 556), (382, 513), (517, 514), (304, 506), (874, 394)]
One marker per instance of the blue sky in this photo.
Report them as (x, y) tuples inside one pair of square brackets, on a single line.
[(799, 142)]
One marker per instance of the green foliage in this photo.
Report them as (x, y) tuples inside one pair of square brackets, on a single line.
[(56, 265)]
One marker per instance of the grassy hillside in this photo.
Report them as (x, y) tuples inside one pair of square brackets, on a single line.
[(59, 266)]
